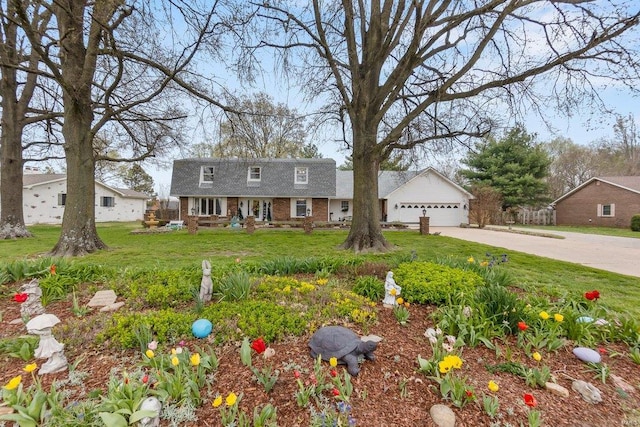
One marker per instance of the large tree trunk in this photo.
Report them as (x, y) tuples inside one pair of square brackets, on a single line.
[(79, 235), (365, 234), (11, 211)]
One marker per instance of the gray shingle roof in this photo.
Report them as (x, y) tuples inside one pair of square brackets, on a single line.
[(40, 178), (630, 182), (388, 181), (277, 178)]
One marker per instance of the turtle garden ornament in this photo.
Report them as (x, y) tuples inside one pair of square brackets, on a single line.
[(343, 344)]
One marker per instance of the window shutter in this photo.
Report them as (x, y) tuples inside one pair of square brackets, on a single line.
[(613, 209), (599, 209)]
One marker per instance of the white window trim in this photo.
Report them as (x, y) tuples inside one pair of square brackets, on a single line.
[(202, 174), (306, 175), (249, 174), (294, 210), (601, 208)]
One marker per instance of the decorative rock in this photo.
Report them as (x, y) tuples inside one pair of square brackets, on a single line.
[(442, 416), (201, 328), (112, 307), (601, 322), (16, 322), (557, 389), (371, 337), (584, 319), (587, 355), (103, 298), (588, 391), (151, 404), (620, 383)]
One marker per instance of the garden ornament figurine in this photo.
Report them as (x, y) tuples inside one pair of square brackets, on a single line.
[(48, 347), (206, 285), (343, 344), (33, 305), (391, 291), (154, 405)]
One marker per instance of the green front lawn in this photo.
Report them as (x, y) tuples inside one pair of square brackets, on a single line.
[(178, 249)]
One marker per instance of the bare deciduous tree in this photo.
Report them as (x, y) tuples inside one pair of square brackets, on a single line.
[(409, 72), (118, 69)]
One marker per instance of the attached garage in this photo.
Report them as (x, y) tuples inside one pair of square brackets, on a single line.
[(405, 194)]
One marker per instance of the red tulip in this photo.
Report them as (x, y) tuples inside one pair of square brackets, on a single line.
[(529, 400), (145, 379), (522, 326), (335, 392), (259, 346), (20, 297), (296, 374), (333, 373), (469, 393), (592, 295), (52, 269)]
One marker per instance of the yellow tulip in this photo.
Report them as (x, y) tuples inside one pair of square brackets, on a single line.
[(195, 359), (399, 301), (175, 361), (544, 315), (13, 383), (231, 399), (536, 356), (493, 386), (173, 351), (558, 317), (149, 353), (30, 368), (470, 260), (333, 362), (217, 401)]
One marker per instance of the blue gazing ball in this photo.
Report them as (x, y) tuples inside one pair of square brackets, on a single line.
[(201, 328)]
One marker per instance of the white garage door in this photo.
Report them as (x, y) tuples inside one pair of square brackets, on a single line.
[(440, 214)]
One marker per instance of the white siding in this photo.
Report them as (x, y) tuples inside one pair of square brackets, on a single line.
[(40, 205)]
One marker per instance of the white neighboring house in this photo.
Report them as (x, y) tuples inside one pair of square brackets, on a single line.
[(403, 196), (44, 197)]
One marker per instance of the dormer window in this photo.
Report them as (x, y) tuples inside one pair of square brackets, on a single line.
[(206, 173), (302, 175), (254, 173)]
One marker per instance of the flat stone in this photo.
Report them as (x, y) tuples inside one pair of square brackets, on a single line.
[(16, 321), (112, 307), (588, 391), (620, 383), (442, 415), (103, 298), (557, 389), (587, 355)]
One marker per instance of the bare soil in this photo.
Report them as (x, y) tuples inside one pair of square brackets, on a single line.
[(377, 399)]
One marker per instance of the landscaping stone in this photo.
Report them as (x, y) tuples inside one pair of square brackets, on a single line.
[(587, 355), (557, 389), (620, 383), (584, 319), (16, 321), (103, 298), (588, 391), (442, 415), (151, 404), (112, 307)]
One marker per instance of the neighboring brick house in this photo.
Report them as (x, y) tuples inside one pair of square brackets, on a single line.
[(268, 189), (601, 201)]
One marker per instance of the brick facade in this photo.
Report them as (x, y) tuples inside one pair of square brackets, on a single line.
[(581, 207), (320, 209), (281, 209)]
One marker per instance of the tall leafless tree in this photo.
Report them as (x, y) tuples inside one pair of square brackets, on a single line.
[(400, 73), (119, 70), (19, 82)]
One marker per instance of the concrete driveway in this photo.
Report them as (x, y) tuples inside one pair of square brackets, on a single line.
[(616, 254)]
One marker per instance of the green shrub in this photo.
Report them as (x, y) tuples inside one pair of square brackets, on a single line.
[(288, 265), (158, 288), (501, 306), (236, 286), (635, 222), (370, 287), (166, 325), (430, 283), (251, 318)]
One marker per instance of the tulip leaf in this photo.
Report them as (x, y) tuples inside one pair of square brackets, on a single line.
[(113, 420)]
